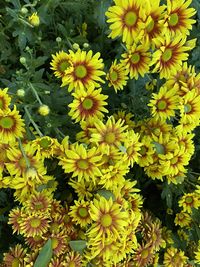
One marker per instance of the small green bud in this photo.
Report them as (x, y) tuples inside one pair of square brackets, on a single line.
[(75, 46), (86, 45), (24, 10), (22, 60), (58, 39), (21, 92)]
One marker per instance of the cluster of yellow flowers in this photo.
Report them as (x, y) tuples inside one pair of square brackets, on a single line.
[(106, 209)]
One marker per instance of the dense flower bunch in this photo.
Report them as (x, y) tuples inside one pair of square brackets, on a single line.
[(105, 212)]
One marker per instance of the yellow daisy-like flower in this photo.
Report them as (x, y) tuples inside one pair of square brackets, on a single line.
[(113, 176), (109, 220), (39, 202), (184, 78), (82, 162), (197, 255), (133, 147), (60, 63), (15, 256), (189, 201), (178, 18), (153, 24), (146, 151), (5, 99), (11, 125), (80, 213), (137, 60), (15, 216), (17, 164), (183, 219), (59, 242), (109, 134), (164, 103), (126, 18), (34, 224), (170, 54), (83, 189), (143, 255), (85, 71), (190, 108), (117, 76), (85, 135), (88, 104), (174, 258), (126, 117), (46, 147), (73, 259)]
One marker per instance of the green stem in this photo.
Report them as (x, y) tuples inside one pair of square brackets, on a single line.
[(24, 154), (35, 93), (32, 121), (59, 132), (25, 22)]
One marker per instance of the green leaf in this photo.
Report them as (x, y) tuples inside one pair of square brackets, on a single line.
[(106, 194), (45, 255), (78, 245), (159, 148)]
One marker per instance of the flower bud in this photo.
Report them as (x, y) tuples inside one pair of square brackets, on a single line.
[(43, 110), (21, 92), (75, 46), (34, 19), (22, 60), (24, 10)]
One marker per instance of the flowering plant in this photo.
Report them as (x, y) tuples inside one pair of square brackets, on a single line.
[(99, 133)]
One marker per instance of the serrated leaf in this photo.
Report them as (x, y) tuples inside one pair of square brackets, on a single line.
[(78, 245), (45, 255), (106, 194)]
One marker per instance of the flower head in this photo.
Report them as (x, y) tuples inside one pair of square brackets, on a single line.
[(84, 72)]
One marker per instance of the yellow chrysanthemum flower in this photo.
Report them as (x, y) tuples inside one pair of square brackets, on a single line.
[(46, 147), (126, 18), (83, 188), (126, 117), (11, 125), (197, 255), (190, 108), (183, 219), (170, 54), (164, 103), (85, 71), (113, 176), (15, 256), (18, 165), (5, 99), (137, 60), (178, 17), (109, 134), (88, 104), (34, 224), (146, 152), (109, 220), (82, 162), (79, 213), (132, 147), (184, 78), (174, 258), (60, 63), (153, 24), (117, 76), (189, 201)]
